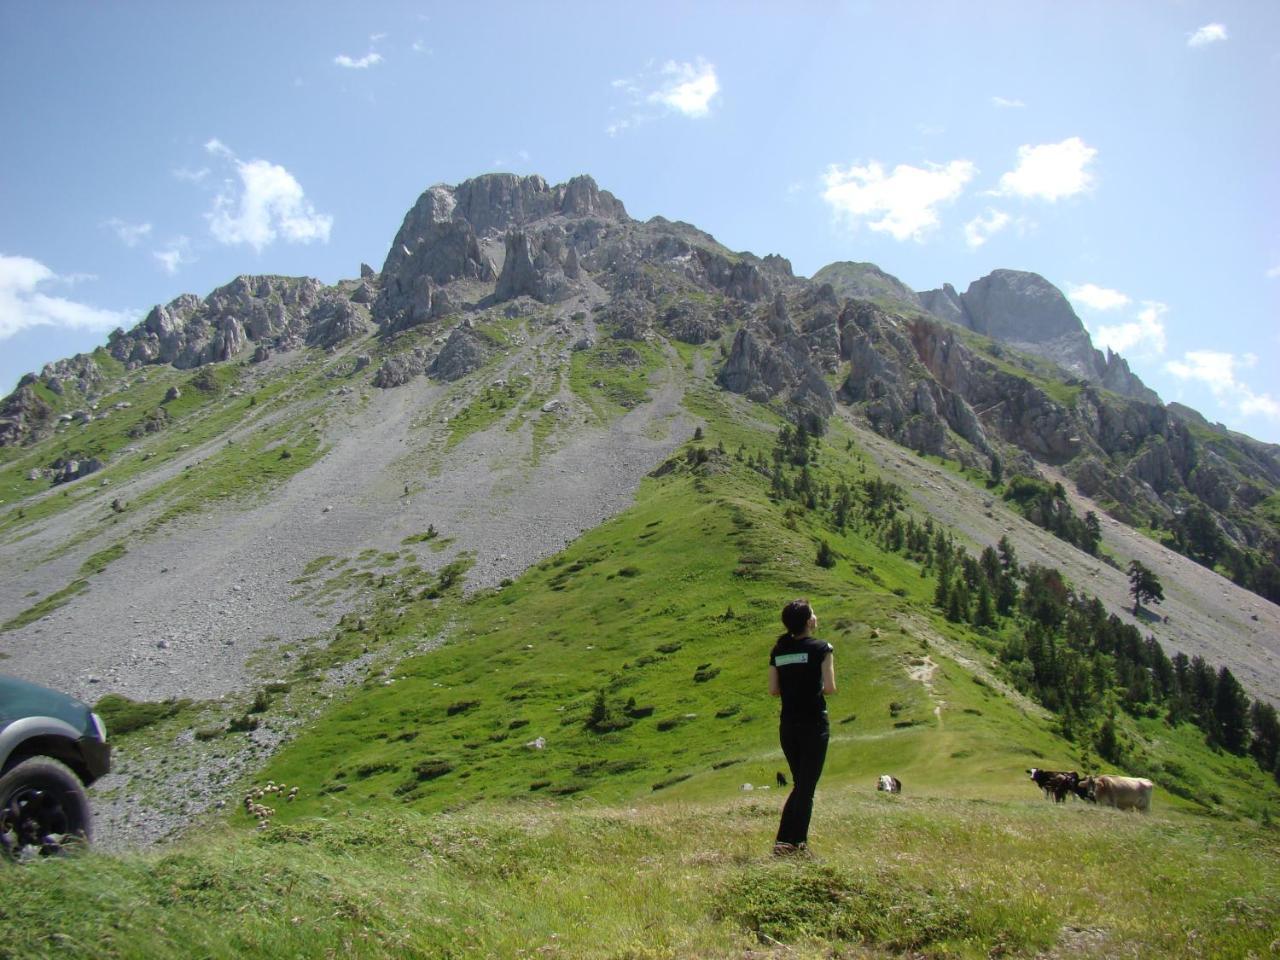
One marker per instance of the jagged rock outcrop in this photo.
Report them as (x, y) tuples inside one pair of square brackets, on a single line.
[(535, 266), (24, 416), (463, 353), (1027, 312), (631, 316), (66, 470), (439, 242), (693, 322), (945, 303), (399, 369), (189, 332), (771, 360), (78, 375), (334, 321)]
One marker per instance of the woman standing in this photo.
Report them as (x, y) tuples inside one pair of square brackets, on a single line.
[(801, 672)]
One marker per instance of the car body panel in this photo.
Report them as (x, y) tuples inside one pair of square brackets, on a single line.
[(52, 724)]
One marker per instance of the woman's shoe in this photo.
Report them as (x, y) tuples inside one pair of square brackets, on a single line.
[(781, 849)]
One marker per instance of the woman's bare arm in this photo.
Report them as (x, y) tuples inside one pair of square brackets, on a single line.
[(829, 673), (775, 689)]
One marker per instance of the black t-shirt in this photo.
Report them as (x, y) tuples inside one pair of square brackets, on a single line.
[(799, 664)]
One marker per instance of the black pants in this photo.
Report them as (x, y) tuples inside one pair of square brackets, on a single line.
[(805, 748)]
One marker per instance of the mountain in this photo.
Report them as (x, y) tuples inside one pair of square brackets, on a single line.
[(1025, 311), (546, 473)]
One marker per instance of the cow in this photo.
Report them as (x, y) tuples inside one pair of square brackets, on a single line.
[(1123, 793), (889, 784), (1054, 784)]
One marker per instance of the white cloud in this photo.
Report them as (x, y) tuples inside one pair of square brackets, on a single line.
[(1006, 103), (1209, 33), (364, 63), (23, 305), (266, 203), (903, 202), (419, 47), (1145, 333), (130, 234), (684, 88), (1050, 171), (688, 87), (1096, 297), (375, 37), (1219, 372), (174, 255), (1274, 272), (981, 229)]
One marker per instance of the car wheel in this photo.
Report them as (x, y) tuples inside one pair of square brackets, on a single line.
[(43, 810)]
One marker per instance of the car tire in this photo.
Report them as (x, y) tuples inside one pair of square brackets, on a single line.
[(43, 810)]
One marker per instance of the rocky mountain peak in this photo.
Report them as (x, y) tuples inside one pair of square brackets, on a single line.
[(1026, 311), (865, 281), (1018, 306)]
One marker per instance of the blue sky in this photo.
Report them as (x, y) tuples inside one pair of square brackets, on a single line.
[(1125, 151)]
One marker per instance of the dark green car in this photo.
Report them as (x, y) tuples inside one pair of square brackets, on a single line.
[(51, 747)]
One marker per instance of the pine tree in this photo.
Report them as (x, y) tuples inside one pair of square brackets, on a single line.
[(826, 556), (1231, 712), (1144, 585), (1265, 742), (984, 613)]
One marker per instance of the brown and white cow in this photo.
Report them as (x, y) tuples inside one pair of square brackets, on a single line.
[(1123, 793), (889, 784), (1055, 784)]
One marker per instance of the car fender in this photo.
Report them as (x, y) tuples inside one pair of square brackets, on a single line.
[(20, 731)]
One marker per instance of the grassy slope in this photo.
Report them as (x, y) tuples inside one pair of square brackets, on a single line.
[(904, 876), (425, 823)]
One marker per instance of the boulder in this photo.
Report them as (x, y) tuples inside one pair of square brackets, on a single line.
[(463, 353), (400, 369)]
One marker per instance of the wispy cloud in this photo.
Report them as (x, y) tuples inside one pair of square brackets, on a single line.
[(902, 203), (981, 229), (24, 305), (1220, 372), (1050, 171), (375, 37), (687, 89), (189, 175), (419, 47), (176, 254), (130, 234), (370, 59), (266, 203), (1274, 272), (1005, 103), (1144, 334), (1209, 33), (1096, 297)]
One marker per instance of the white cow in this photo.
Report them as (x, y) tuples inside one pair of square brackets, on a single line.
[(889, 784), (1123, 793)]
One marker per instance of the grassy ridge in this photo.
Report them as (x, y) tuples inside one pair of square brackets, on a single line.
[(916, 876)]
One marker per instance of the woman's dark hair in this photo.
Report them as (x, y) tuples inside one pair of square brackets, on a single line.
[(795, 616)]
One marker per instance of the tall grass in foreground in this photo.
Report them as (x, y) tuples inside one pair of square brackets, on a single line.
[(892, 876)]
